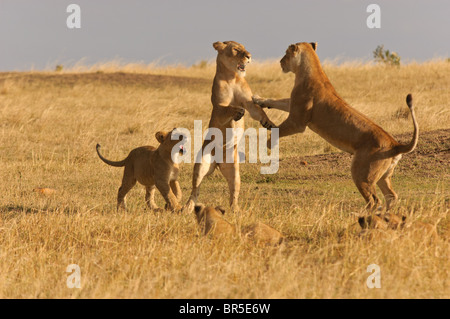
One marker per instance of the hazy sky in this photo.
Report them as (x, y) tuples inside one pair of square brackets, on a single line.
[(34, 33)]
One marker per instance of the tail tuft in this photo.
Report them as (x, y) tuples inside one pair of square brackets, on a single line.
[(97, 147), (409, 100)]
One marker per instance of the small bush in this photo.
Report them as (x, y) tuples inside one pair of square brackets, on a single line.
[(201, 65), (384, 56), (58, 68)]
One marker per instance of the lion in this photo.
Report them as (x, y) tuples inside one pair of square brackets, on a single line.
[(382, 221), (153, 168), (212, 223), (262, 233), (385, 223), (231, 96), (314, 103)]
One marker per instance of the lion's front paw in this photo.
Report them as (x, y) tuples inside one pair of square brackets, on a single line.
[(267, 124), (259, 101), (188, 208), (177, 209), (235, 208), (238, 113), (173, 208)]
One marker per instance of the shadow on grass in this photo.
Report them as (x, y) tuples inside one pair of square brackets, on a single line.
[(19, 209), (12, 211)]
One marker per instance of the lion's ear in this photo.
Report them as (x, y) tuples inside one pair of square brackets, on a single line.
[(362, 222), (198, 209), (314, 45), (161, 136), (221, 209), (219, 46), (293, 48)]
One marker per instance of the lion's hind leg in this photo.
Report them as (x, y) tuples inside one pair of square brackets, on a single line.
[(368, 191), (128, 182), (201, 170), (176, 189), (367, 170), (385, 184), (231, 173)]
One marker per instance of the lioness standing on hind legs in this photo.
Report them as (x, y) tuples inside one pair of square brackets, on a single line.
[(231, 96), (314, 103)]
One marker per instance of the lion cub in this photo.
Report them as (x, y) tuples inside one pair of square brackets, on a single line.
[(388, 222), (212, 223), (153, 168), (380, 221)]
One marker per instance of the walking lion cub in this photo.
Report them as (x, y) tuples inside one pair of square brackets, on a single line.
[(153, 168)]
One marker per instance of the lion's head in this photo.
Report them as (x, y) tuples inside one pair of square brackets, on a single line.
[(211, 221), (205, 213), (293, 57), (168, 145), (233, 56), (379, 221)]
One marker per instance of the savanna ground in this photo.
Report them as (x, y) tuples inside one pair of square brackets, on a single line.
[(51, 122)]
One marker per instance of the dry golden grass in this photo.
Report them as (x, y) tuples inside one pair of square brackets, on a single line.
[(51, 122)]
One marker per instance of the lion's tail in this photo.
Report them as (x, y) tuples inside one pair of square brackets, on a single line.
[(406, 148), (112, 163)]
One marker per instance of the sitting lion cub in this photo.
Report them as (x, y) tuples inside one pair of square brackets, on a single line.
[(152, 167), (212, 223)]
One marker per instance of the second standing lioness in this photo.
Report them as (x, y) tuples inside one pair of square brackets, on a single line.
[(314, 103)]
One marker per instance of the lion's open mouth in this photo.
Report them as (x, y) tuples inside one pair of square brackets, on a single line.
[(181, 150), (241, 67)]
